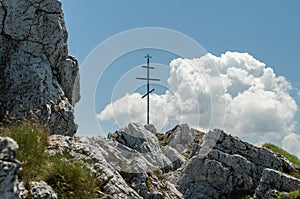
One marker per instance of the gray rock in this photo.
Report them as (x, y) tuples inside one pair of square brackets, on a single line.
[(41, 190), (273, 181), (140, 140), (9, 168), (101, 156), (23, 192), (222, 167), (151, 128), (225, 166), (123, 171), (38, 79), (181, 137), (174, 156), (136, 136)]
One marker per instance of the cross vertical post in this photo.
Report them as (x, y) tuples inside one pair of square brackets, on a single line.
[(148, 86), (148, 67)]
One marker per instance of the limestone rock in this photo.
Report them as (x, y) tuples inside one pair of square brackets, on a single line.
[(38, 79), (181, 137), (41, 190), (9, 168), (273, 181), (94, 150), (137, 137), (144, 142), (151, 128), (124, 171), (132, 164), (225, 167), (174, 156)]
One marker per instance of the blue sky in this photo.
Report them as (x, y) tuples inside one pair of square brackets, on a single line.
[(268, 30)]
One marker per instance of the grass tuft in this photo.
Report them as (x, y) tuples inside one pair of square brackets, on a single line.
[(32, 143), (68, 177), (290, 195)]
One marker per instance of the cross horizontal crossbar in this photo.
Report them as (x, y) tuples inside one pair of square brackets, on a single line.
[(150, 67), (142, 78), (148, 93)]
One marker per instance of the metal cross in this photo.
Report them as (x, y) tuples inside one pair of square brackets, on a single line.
[(148, 67)]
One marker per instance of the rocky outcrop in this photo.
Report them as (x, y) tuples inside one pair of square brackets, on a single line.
[(226, 167), (182, 137), (128, 164), (38, 79), (9, 168), (134, 163), (272, 181)]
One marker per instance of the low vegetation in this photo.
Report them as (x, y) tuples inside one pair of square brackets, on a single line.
[(32, 143), (291, 195), (163, 139), (68, 178)]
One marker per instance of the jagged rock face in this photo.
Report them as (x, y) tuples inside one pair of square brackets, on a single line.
[(144, 144), (106, 160), (221, 166), (182, 137), (273, 180), (9, 168), (38, 79), (229, 168)]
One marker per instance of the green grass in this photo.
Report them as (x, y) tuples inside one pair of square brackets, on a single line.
[(291, 195), (32, 143), (292, 158), (68, 178)]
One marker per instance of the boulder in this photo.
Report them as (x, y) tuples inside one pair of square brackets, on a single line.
[(38, 79)]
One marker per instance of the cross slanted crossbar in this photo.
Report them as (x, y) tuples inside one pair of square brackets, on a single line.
[(148, 79)]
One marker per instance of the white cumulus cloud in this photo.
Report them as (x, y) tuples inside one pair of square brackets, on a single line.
[(235, 92), (291, 143)]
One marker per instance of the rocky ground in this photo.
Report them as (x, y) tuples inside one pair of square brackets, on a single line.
[(138, 162)]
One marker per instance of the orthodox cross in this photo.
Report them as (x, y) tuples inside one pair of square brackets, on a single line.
[(148, 67)]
